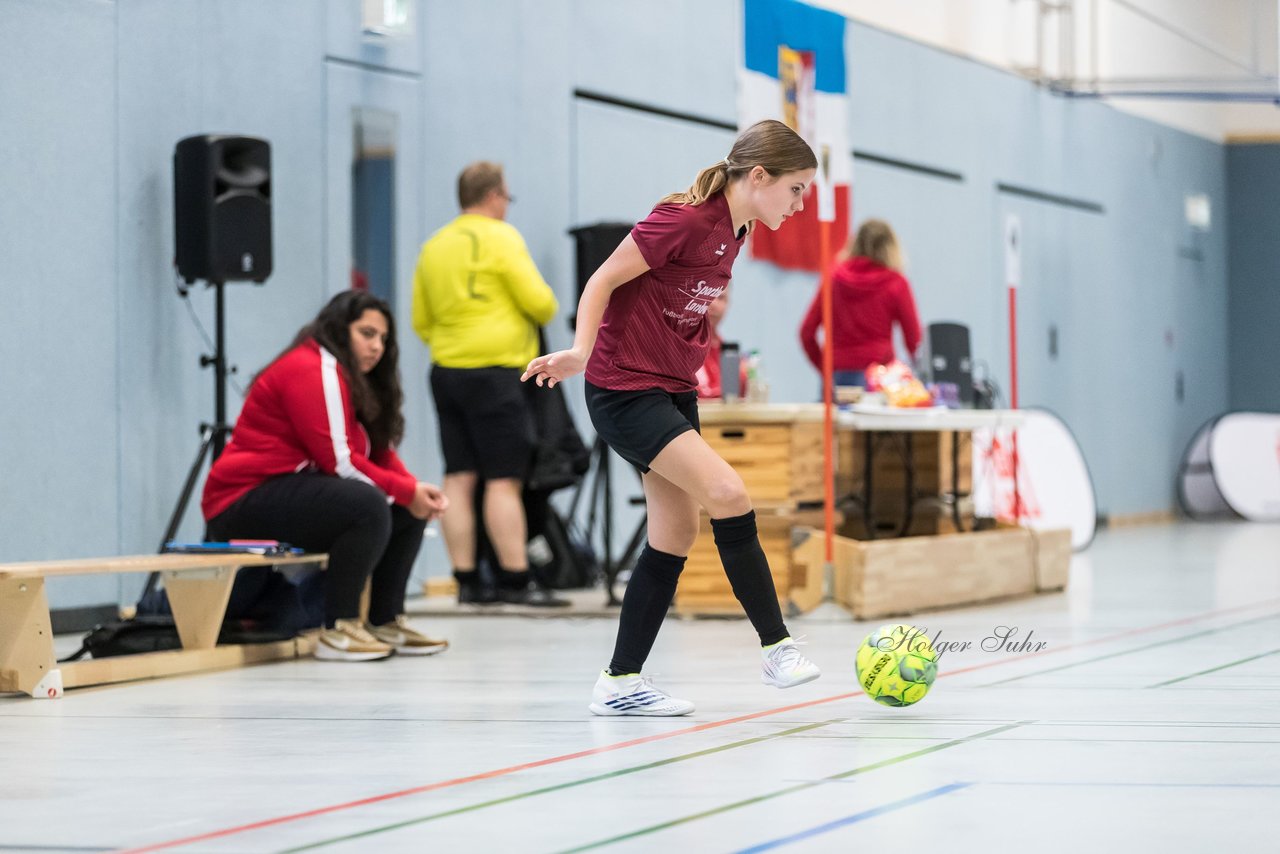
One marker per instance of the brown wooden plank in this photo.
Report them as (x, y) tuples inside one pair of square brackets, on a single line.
[(153, 665), (147, 563)]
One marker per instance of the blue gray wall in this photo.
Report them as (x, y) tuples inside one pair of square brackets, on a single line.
[(100, 420), (1253, 175)]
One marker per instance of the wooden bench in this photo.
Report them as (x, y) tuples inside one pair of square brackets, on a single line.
[(198, 585)]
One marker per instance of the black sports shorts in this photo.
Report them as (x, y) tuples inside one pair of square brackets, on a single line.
[(639, 424), (485, 422)]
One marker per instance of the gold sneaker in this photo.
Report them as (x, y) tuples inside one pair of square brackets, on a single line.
[(407, 641), (349, 641)]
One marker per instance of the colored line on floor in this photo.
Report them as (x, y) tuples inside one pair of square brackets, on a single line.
[(1131, 651), (800, 787), (489, 775), (1064, 740), (1214, 669), (854, 819), (1101, 784), (560, 787), (474, 778), (496, 802)]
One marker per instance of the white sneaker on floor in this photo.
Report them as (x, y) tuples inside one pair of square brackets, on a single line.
[(785, 667), (633, 694), (348, 640)]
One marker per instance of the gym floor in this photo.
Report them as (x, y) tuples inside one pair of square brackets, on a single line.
[(1149, 720)]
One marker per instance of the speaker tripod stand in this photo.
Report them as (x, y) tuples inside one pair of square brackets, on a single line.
[(213, 437), (601, 511)]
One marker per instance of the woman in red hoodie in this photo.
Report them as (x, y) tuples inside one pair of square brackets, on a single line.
[(312, 462), (868, 294)]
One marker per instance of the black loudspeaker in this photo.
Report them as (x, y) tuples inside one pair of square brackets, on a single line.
[(949, 358), (595, 243), (222, 208)]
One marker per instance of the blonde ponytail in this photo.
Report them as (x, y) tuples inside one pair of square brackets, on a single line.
[(710, 181), (769, 144)]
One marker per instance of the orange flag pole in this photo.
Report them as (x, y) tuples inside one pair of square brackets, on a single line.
[(826, 214), (828, 395), (1013, 278)]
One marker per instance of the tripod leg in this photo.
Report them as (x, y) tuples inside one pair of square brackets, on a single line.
[(610, 565), (596, 448)]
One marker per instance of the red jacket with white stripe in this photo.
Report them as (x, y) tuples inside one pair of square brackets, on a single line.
[(299, 417)]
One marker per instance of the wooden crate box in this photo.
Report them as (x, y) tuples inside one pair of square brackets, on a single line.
[(780, 463), (885, 578), (928, 519), (1053, 558), (704, 586)]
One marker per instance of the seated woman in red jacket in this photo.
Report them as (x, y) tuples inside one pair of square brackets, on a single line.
[(868, 295), (312, 462)]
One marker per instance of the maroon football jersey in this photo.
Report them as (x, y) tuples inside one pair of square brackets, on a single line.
[(654, 333)]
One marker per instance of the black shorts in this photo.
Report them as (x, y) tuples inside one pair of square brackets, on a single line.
[(485, 422), (639, 424)]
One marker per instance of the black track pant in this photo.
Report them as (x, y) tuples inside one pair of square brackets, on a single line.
[(351, 520)]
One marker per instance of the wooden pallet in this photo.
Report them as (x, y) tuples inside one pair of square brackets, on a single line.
[(902, 576)]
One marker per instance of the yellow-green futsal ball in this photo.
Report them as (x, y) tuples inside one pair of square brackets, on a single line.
[(896, 665)]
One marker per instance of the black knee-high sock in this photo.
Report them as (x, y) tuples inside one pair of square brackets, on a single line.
[(644, 607), (738, 542)]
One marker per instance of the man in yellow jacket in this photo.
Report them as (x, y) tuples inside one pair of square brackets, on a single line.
[(478, 302)]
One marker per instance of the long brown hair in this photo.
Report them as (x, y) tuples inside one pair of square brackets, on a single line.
[(769, 144), (377, 395), (875, 240)]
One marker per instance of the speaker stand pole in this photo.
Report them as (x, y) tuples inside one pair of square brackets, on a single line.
[(605, 482), (219, 362)]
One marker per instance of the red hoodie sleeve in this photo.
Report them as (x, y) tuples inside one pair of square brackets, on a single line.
[(320, 403), (908, 319), (389, 459), (809, 331)]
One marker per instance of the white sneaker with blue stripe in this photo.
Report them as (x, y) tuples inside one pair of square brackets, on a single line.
[(785, 667), (633, 694)]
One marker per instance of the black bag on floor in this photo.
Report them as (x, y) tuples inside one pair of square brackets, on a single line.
[(156, 633), (126, 637), (573, 562), (560, 458), (279, 603)]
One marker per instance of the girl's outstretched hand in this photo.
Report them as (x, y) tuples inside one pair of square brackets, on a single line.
[(555, 367)]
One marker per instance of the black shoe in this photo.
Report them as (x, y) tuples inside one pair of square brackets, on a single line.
[(541, 597), (534, 596), (477, 594)]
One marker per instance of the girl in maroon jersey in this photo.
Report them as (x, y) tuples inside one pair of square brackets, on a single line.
[(641, 336)]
